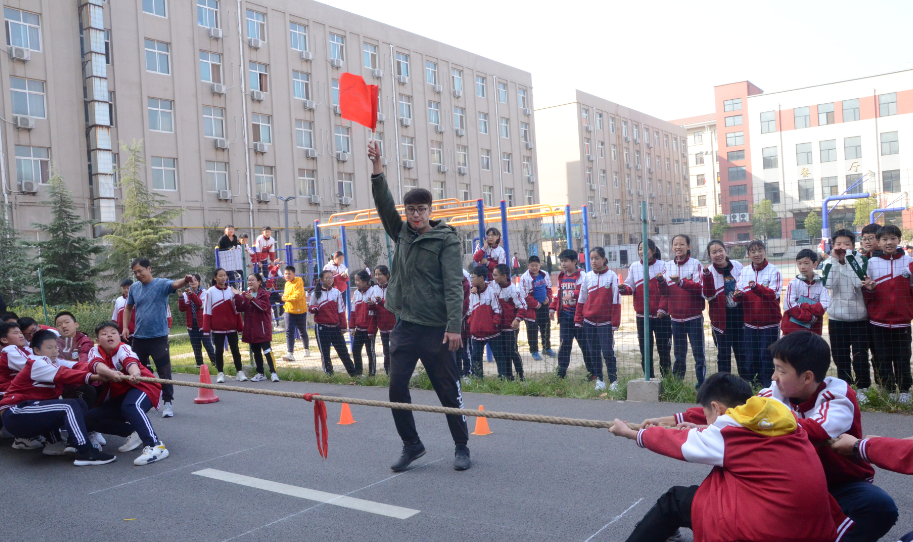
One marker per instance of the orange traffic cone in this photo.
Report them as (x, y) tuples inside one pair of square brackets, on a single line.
[(481, 425), (205, 396), (345, 417)]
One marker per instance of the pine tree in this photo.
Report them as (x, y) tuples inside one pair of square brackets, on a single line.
[(19, 274), (144, 230), (66, 256)]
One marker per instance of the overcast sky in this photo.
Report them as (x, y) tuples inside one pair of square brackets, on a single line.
[(664, 57)]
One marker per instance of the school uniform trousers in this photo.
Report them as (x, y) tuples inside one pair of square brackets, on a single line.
[(541, 325), (331, 336), (600, 345), (661, 338), (568, 332), (363, 341), (122, 416), (31, 419)]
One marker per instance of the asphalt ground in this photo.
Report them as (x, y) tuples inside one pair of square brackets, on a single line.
[(528, 482)]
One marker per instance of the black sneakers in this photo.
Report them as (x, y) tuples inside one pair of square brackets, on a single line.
[(411, 452), (93, 457), (461, 459)]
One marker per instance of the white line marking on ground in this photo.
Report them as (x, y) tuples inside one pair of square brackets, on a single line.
[(323, 503), (177, 469), (372, 507), (616, 518)]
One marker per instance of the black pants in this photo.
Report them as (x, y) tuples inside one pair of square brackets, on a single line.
[(260, 350), (275, 300), (870, 507), (540, 325), (293, 322), (671, 511), (464, 354), (363, 340), (86, 392), (661, 333), (30, 419), (410, 343), (847, 336), (385, 343), (328, 336), (198, 342), (158, 349), (600, 346), (477, 354), (892, 361), (568, 332), (510, 352), (729, 343), (232, 338), (122, 416)]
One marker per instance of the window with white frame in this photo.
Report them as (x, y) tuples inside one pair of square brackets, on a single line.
[(161, 118), (23, 29), (485, 162), (887, 104), (612, 124), (402, 64), (379, 138), (803, 154), (734, 139), (615, 179), (108, 47), (637, 158), (522, 98), (530, 197), (676, 167), (636, 131), (698, 159), (217, 176), (506, 162), (464, 191), (154, 7), (264, 179), (307, 182), (601, 146), (32, 164), (409, 184), (298, 36), (256, 25), (462, 155), (405, 106), (304, 134), (599, 121), (213, 122), (439, 190), (259, 76), (732, 105), (527, 165), (502, 93), (668, 165), (430, 72), (407, 147), (342, 138), (208, 13), (158, 54), (617, 206), (587, 146), (589, 175), (675, 144), (614, 152), (585, 116), (505, 128), (437, 153), (624, 128), (480, 86), (301, 85), (164, 173), (487, 191), (698, 137), (262, 131), (434, 112), (459, 118), (483, 123), (456, 78), (509, 197), (369, 52), (337, 46), (828, 150), (627, 180), (768, 122), (28, 97), (802, 117), (889, 144), (627, 155), (524, 132), (345, 186), (334, 91), (210, 67)]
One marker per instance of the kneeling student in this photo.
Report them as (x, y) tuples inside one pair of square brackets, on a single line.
[(763, 467), (123, 411)]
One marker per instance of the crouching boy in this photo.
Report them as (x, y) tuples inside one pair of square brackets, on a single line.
[(766, 483), (122, 411)]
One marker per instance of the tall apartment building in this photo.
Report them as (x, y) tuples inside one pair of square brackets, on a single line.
[(611, 158), (237, 103), (703, 159)]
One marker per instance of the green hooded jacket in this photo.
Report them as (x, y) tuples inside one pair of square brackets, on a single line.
[(426, 282)]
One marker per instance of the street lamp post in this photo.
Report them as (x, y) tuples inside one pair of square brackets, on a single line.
[(285, 200)]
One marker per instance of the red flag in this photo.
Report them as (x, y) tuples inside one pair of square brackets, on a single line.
[(357, 100)]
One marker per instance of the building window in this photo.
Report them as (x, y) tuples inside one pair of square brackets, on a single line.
[(379, 138), (772, 192), (737, 174), (462, 156), (405, 106), (612, 124), (437, 154), (307, 182), (637, 160), (111, 115), (624, 131), (851, 110), (505, 128), (261, 128), (502, 93), (23, 29), (700, 180), (298, 36), (668, 167), (614, 153), (434, 112), (599, 121), (430, 72), (617, 206), (702, 201), (627, 155), (523, 99), (259, 76), (768, 122), (509, 196), (304, 134), (217, 176), (738, 189), (459, 118), (256, 25), (826, 114), (486, 160), (734, 139), (851, 180), (603, 177), (530, 197), (456, 79), (732, 105), (887, 104), (402, 64), (407, 147), (164, 173), (160, 115), (157, 56), (735, 155), (464, 191), (32, 164), (108, 47), (698, 137), (891, 180), (370, 55), (803, 154), (889, 143), (208, 13), (334, 91), (506, 163), (806, 189), (770, 156), (480, 86), (601, 146), (802, 116), (213, 121), (263, 179), (337, 46), (828, 150), (589, 175), (440, 189), (483, 123), (524, 136), (735, 120), (210, 67), (301, 85), (828, 186), (154, 7), (342, 137), (28, 97), (585, 116), (852, 148), (738, 207), (615, 179), (486, 195)]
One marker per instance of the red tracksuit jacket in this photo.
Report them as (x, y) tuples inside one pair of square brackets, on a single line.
[(806, 312), (385, 319), (761, 303), (258, 317), (12, 360), (891, 304), (484, 314), (219, 313), (568, 292), (513, 305), (714, 285), (330, 309), (364, 314), (494, 254), (599, 302), (185, 301), (120, 360), (686, 301), (659, 303), (43, 379), (892, 454)]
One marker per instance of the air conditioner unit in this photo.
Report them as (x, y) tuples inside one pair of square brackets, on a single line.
[(307, 56), (527, 111), (630, 192), (314, 199), (460, 132), (310, 153), (264, 197), (593, 214), (402, 79), (342, 156), (405, 121), (732, 218), (337, 110), (457, 93), (218, 88), (649, 170), (30, 187), (649, 145), (439, 128), (589, 158), (588, 128), (628, 165), (309, 104), (336, 62), (592, 187), (637, 141), (381, 118), (638, 167), (256, 95), (254, 43), (215, 33), (684, 177), (743, 217), (652, 195), (437, 88), (529, 144), (640, 192), (653, 218), (221, 143), (627, 139), (19, 53), (377, 73), (442, 168), (260, 147), (530, 179), (384, 161), (462, 170), (408, 164), (343, 200), (23, 122), (225, 195)]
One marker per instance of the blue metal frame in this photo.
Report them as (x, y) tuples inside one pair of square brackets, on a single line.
[(586, 238), (825, 228), (882, 211)]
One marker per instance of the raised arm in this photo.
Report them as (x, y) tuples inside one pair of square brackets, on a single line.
[(383, 199)]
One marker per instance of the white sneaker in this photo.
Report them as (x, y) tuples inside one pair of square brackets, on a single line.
[(57, 448), (905, 397), (152, 454), (241, 377), (288, 357), (600, 385), (307, 352), (613, 386), (133, 442), (861, 396), (95, 436), (274, 377), (220, 379), (677, 537), (27, 444), (258, 377), (167, 411)]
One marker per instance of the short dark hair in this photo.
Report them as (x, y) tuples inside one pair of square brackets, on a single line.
[(103, 325), (843, 233), (715, 242), (290, 268), (338, 253), (63, 313), (870, 228), (5, 328), (725, 388), (126, 282), (257, 276), (9, 316), (142, 262), (480, 271), (534, 259), (244, 236), (756, 243), (26, 322), (267, 228), (568, 254), (807, 253), (502, 269), (804, 351), (890, 229), (417, 196), (42, 336), (228, 226)]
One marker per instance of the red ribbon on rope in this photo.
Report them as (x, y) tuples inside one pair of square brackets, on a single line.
[(320, 423)]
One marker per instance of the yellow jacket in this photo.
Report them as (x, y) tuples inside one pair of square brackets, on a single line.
[(296, 301)]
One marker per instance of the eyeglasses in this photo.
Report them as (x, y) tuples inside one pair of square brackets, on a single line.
[(416, 210), (868, 237)]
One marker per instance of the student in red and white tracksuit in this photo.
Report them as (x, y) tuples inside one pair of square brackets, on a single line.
[(684, 288), (385, 319), (364, 321), (570, 280), (513, 311), (328, 305), (14, 355), (258, 324), (464, 355), (536, 286), (727, 318), (806, 287), (264, 248), (759, 291), (492, 253), (223, 321), (597, 318), (485, 322), (339, 270), (657, 312)]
